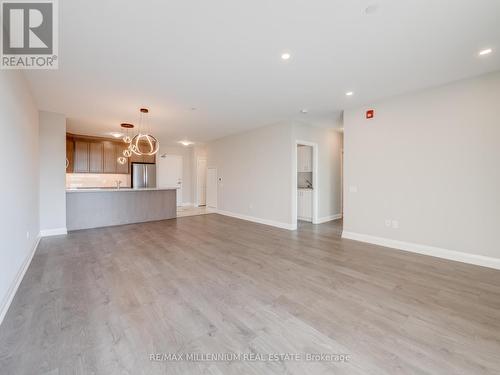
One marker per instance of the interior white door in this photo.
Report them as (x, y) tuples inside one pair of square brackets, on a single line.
[(212, 187), (201, 182), (307, 212), (300, 204), (300, 158), (304, 204), (169, 173)]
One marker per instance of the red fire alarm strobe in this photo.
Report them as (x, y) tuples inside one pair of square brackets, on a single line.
[(370, 113)]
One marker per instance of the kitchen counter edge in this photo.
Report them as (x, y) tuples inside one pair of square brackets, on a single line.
[(97, 190)]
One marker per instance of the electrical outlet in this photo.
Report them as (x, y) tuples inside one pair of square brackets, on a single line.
[(353, 189), (395, 224), (28, 235), (388, 223), (250, 206)]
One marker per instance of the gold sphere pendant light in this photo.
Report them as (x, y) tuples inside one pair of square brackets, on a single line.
[(127, 138)]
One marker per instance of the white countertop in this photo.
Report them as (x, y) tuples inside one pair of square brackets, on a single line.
[(114, 190)]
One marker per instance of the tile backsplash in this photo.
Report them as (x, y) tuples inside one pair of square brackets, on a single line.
[(76, 180)]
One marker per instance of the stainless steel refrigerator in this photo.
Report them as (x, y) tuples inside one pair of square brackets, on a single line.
[(143, 175)]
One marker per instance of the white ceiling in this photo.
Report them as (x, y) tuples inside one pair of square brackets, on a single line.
[(223, 58)]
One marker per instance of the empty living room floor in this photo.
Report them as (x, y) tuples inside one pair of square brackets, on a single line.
[(103, 301)]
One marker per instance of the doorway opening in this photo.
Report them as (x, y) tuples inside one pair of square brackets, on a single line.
[(201, 183), (305, 183), (169, 169)]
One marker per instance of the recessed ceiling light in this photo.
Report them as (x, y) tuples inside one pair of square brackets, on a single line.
[(186, 143), (285, 56), (116, 135), (304, 111), (349, 93), (485, 52)]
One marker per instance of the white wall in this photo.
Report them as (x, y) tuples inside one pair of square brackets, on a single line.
[(199, 152), (430, 160), (19, 220), (52, 136), (329, 187), (256, 173), (259, 171), (187, 167)]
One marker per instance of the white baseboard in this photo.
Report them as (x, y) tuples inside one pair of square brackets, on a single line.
[(326, 219), (253, 219), (186, 204), (7, 300), (479, 260), (53, 232)]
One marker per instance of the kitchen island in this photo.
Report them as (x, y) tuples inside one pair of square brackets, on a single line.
[(94, 208)]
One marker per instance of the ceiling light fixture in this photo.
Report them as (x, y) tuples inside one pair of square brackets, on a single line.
[(349, 93), (186, 143), (285, 56), (304, 111), (116, 135), (485, 52), (144, 143), (126, 126)]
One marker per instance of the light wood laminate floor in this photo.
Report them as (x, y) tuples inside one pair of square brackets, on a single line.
[(101, 301)]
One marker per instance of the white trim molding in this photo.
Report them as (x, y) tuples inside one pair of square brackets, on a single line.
[(4, 307), (53, 232), (478, 260), (315, 191), (253, 219), (326, 219)]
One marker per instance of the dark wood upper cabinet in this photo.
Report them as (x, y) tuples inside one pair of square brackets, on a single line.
[(148, 158), (96, 150), (86, 154), (81, 164), (70, 153), (109, 157)]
